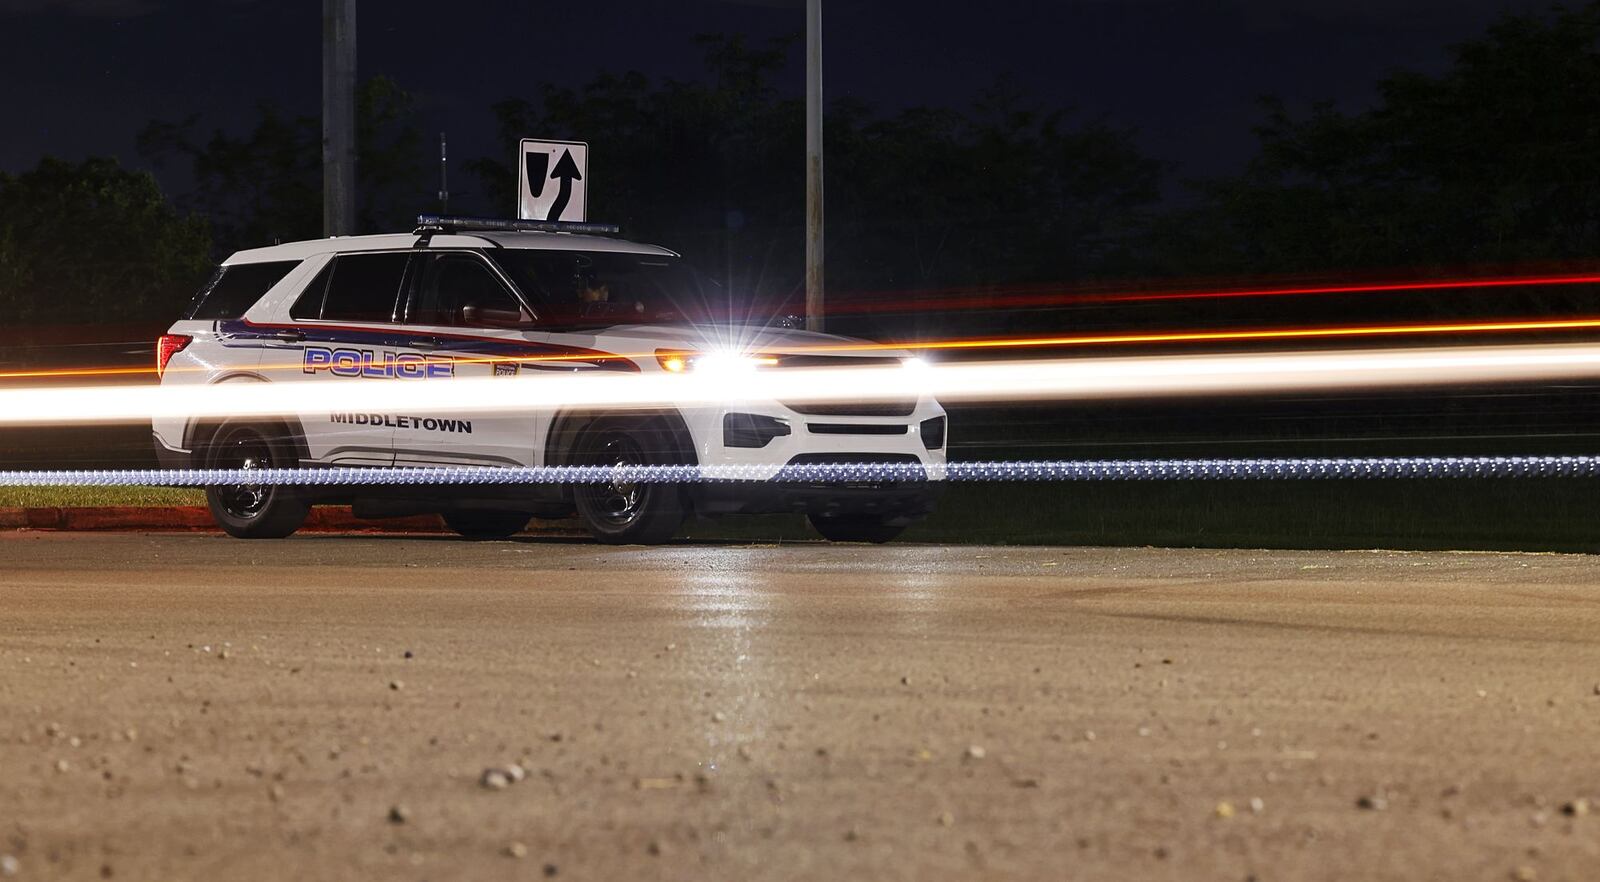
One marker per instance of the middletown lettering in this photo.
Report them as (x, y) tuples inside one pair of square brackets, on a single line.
[(427, 424)]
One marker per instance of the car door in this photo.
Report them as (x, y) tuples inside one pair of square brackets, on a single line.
[(341, 331), (462, 315)]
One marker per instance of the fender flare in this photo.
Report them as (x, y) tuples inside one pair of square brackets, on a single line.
[(568, 425), (200, 432), (197, 433)]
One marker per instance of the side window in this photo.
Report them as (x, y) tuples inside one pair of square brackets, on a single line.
[(234, 289), (364, 287), (453, 282), (309, 304)]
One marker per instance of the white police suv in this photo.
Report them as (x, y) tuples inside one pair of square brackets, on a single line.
[(466, 297)]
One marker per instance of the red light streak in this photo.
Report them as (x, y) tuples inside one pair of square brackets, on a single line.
[(1005, 298)]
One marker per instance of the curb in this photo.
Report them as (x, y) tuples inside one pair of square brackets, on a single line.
[(197, 519)]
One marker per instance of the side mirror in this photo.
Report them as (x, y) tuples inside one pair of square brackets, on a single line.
[(473, 314)]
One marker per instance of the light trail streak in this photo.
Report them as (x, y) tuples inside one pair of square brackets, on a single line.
[(64, 373), (1059, 379), (1226, 336), (1006, 298), (998, 343)]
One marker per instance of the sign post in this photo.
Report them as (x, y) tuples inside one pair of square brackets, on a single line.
[(814, 275), (338, 117), (551, 180)]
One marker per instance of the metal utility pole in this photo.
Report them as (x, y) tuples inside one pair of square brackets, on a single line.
[(338, 117), (444, 180), (814, 309)]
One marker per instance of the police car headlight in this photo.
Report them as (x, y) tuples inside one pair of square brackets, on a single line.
[(713, 362), (728, 363)]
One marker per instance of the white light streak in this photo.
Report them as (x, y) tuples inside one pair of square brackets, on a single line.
[(1058, 379)]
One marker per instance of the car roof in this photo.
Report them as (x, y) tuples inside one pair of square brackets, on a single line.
[(399, 241)]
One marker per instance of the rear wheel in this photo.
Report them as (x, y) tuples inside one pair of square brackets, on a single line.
[(859, 528), (486, 524), (254, 511), (628, 512)]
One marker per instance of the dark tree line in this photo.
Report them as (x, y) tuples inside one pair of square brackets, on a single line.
[(1495, 161), (266, 186), (999, 193), (93, 241)]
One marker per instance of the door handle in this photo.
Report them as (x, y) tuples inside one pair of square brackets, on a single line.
[(424, 345), (291, 336)]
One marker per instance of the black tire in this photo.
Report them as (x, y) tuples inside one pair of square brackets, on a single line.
[(876, 529), (619, 513), (486, 525), (254, 511)]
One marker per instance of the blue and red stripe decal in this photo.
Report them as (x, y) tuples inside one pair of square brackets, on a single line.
[(447, 343)]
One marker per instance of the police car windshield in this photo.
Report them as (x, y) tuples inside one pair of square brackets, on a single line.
[(576, 289)]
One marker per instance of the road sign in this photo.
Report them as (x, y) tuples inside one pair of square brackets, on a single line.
[(550, 180)]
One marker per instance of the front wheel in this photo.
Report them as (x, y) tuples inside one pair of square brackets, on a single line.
[(485, 525), (254, 511), (620, 512), (876, 529)]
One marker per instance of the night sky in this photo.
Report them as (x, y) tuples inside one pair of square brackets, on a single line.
[(80, 77)]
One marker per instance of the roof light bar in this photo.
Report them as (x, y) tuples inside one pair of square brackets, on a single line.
[(435, 223)]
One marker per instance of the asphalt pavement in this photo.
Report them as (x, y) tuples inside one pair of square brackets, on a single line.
[(327, 707)]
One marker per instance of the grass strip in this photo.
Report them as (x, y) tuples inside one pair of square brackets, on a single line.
[(1507, 514), (72, 497)]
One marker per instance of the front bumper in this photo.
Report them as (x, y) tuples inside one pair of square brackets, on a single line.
[(837, 438), (907, 500), (813, 438)]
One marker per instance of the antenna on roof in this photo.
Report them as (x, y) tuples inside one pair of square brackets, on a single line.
[(444, 181)]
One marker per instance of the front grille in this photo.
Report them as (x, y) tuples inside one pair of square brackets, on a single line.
[(793, 474), (853, 459), (855, 429), (847, 408), (840, 361), (854, 408)]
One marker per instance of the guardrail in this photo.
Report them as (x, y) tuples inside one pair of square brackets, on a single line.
[(1023, 470)]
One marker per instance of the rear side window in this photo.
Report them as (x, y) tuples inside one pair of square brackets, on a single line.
[(234, 289), (364, 287), (309, 304)]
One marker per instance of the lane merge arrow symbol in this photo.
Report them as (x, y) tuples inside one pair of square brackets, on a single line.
[(552, 180), (537, 164), (566, 171)]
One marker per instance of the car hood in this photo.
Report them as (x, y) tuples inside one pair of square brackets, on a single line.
[(742, 338)]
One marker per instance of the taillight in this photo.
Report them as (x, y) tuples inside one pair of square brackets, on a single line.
[(168, 346)]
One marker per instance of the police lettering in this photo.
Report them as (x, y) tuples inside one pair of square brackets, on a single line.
[(366, 363)]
